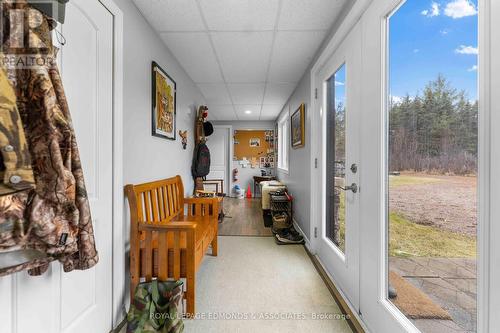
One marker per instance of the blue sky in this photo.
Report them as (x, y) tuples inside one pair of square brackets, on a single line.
[(431, 37)]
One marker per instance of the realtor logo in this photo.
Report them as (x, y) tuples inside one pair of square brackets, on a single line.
[(25, 41)]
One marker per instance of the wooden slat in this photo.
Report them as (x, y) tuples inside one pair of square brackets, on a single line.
[(154, 202), (147, 205), (162, 256), (177, 255), (148, 256), (165, 202), (140, 211), (170, 200), (174, 198), (159, 195)]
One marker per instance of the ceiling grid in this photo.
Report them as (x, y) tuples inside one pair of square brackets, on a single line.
[(246, 56)]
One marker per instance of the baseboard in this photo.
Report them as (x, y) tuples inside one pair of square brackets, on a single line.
[(355, 322), (299, 229)]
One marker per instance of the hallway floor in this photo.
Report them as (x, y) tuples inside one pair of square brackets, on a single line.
[(253, 277), (243, 218)]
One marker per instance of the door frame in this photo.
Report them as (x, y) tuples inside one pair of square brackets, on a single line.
[(489, 156), (118, 247), (229, 157)]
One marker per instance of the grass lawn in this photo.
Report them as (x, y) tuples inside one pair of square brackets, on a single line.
[(411, 180), (409, 239)]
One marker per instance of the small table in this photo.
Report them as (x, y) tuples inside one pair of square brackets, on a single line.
[(257, 180)]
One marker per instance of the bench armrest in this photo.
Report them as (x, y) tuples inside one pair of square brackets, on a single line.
[(203, 207), (170, 226), (190, 201)]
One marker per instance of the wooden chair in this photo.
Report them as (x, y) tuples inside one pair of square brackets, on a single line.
[(169, 234)]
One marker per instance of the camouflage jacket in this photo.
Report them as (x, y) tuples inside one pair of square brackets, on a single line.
[(54, 218), (15, 162)]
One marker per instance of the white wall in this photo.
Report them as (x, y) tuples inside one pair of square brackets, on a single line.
[(246, 174), (298, 177), (146, 157)]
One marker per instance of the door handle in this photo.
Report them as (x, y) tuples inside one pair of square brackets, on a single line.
[(353, 188)]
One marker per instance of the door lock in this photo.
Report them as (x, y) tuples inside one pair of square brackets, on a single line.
[(353, 188), (354, 168)]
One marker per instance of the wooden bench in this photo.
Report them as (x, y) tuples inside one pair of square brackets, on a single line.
[(169, 234)]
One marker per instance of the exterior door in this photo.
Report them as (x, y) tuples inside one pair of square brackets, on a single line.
[(337, 245), (391, 236), (79, 301), (218, 143)]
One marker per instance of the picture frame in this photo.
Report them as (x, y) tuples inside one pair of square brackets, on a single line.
[(297, 127), (254, 142), (164, 104)]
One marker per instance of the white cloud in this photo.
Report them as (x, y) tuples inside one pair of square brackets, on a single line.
[(473, 69), (338, 83), (467, 50), (433, 11), (460, 8), (444, 32)]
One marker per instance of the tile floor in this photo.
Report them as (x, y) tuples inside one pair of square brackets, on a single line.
[(451, 283), (255, 277)]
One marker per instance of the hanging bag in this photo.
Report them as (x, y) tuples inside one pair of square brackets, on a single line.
[(156, 307), (201, 161)]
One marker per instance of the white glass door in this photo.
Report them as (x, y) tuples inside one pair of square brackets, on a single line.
[(338, 243), (420, 170)]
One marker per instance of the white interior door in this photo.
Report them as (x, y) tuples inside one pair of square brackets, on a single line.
[(79, 301), (338, 242), (218, 143)]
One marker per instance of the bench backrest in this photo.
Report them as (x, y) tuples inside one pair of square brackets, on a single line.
[(161, 200)]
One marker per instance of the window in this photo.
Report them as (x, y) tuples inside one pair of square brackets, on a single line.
[(283, 143)]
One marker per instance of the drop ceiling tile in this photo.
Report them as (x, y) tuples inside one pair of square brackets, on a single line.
[(292, 54), (242, 115), (244, 56), (309, 14), (215, 93), (267, 118), (278, 93), (221, 112), (270, 111), (247, 93), (175, 15), (200, 66), (246, 15)]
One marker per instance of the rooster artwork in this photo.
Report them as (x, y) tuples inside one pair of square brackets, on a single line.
[(184, 136)]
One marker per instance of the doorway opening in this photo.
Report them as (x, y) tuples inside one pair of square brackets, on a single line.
[(245, 160)]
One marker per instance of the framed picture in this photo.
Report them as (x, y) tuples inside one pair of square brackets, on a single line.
[(298, 127), (254, 142), (164, 104)]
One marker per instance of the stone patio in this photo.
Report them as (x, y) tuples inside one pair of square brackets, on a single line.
[(450, 282)]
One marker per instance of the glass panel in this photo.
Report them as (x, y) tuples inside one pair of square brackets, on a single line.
[(336, 158), (432, 164)]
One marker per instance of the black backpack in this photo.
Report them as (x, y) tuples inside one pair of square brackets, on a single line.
[(201, 161)]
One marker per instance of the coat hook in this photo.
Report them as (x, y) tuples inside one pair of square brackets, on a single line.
[(60, 37)]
